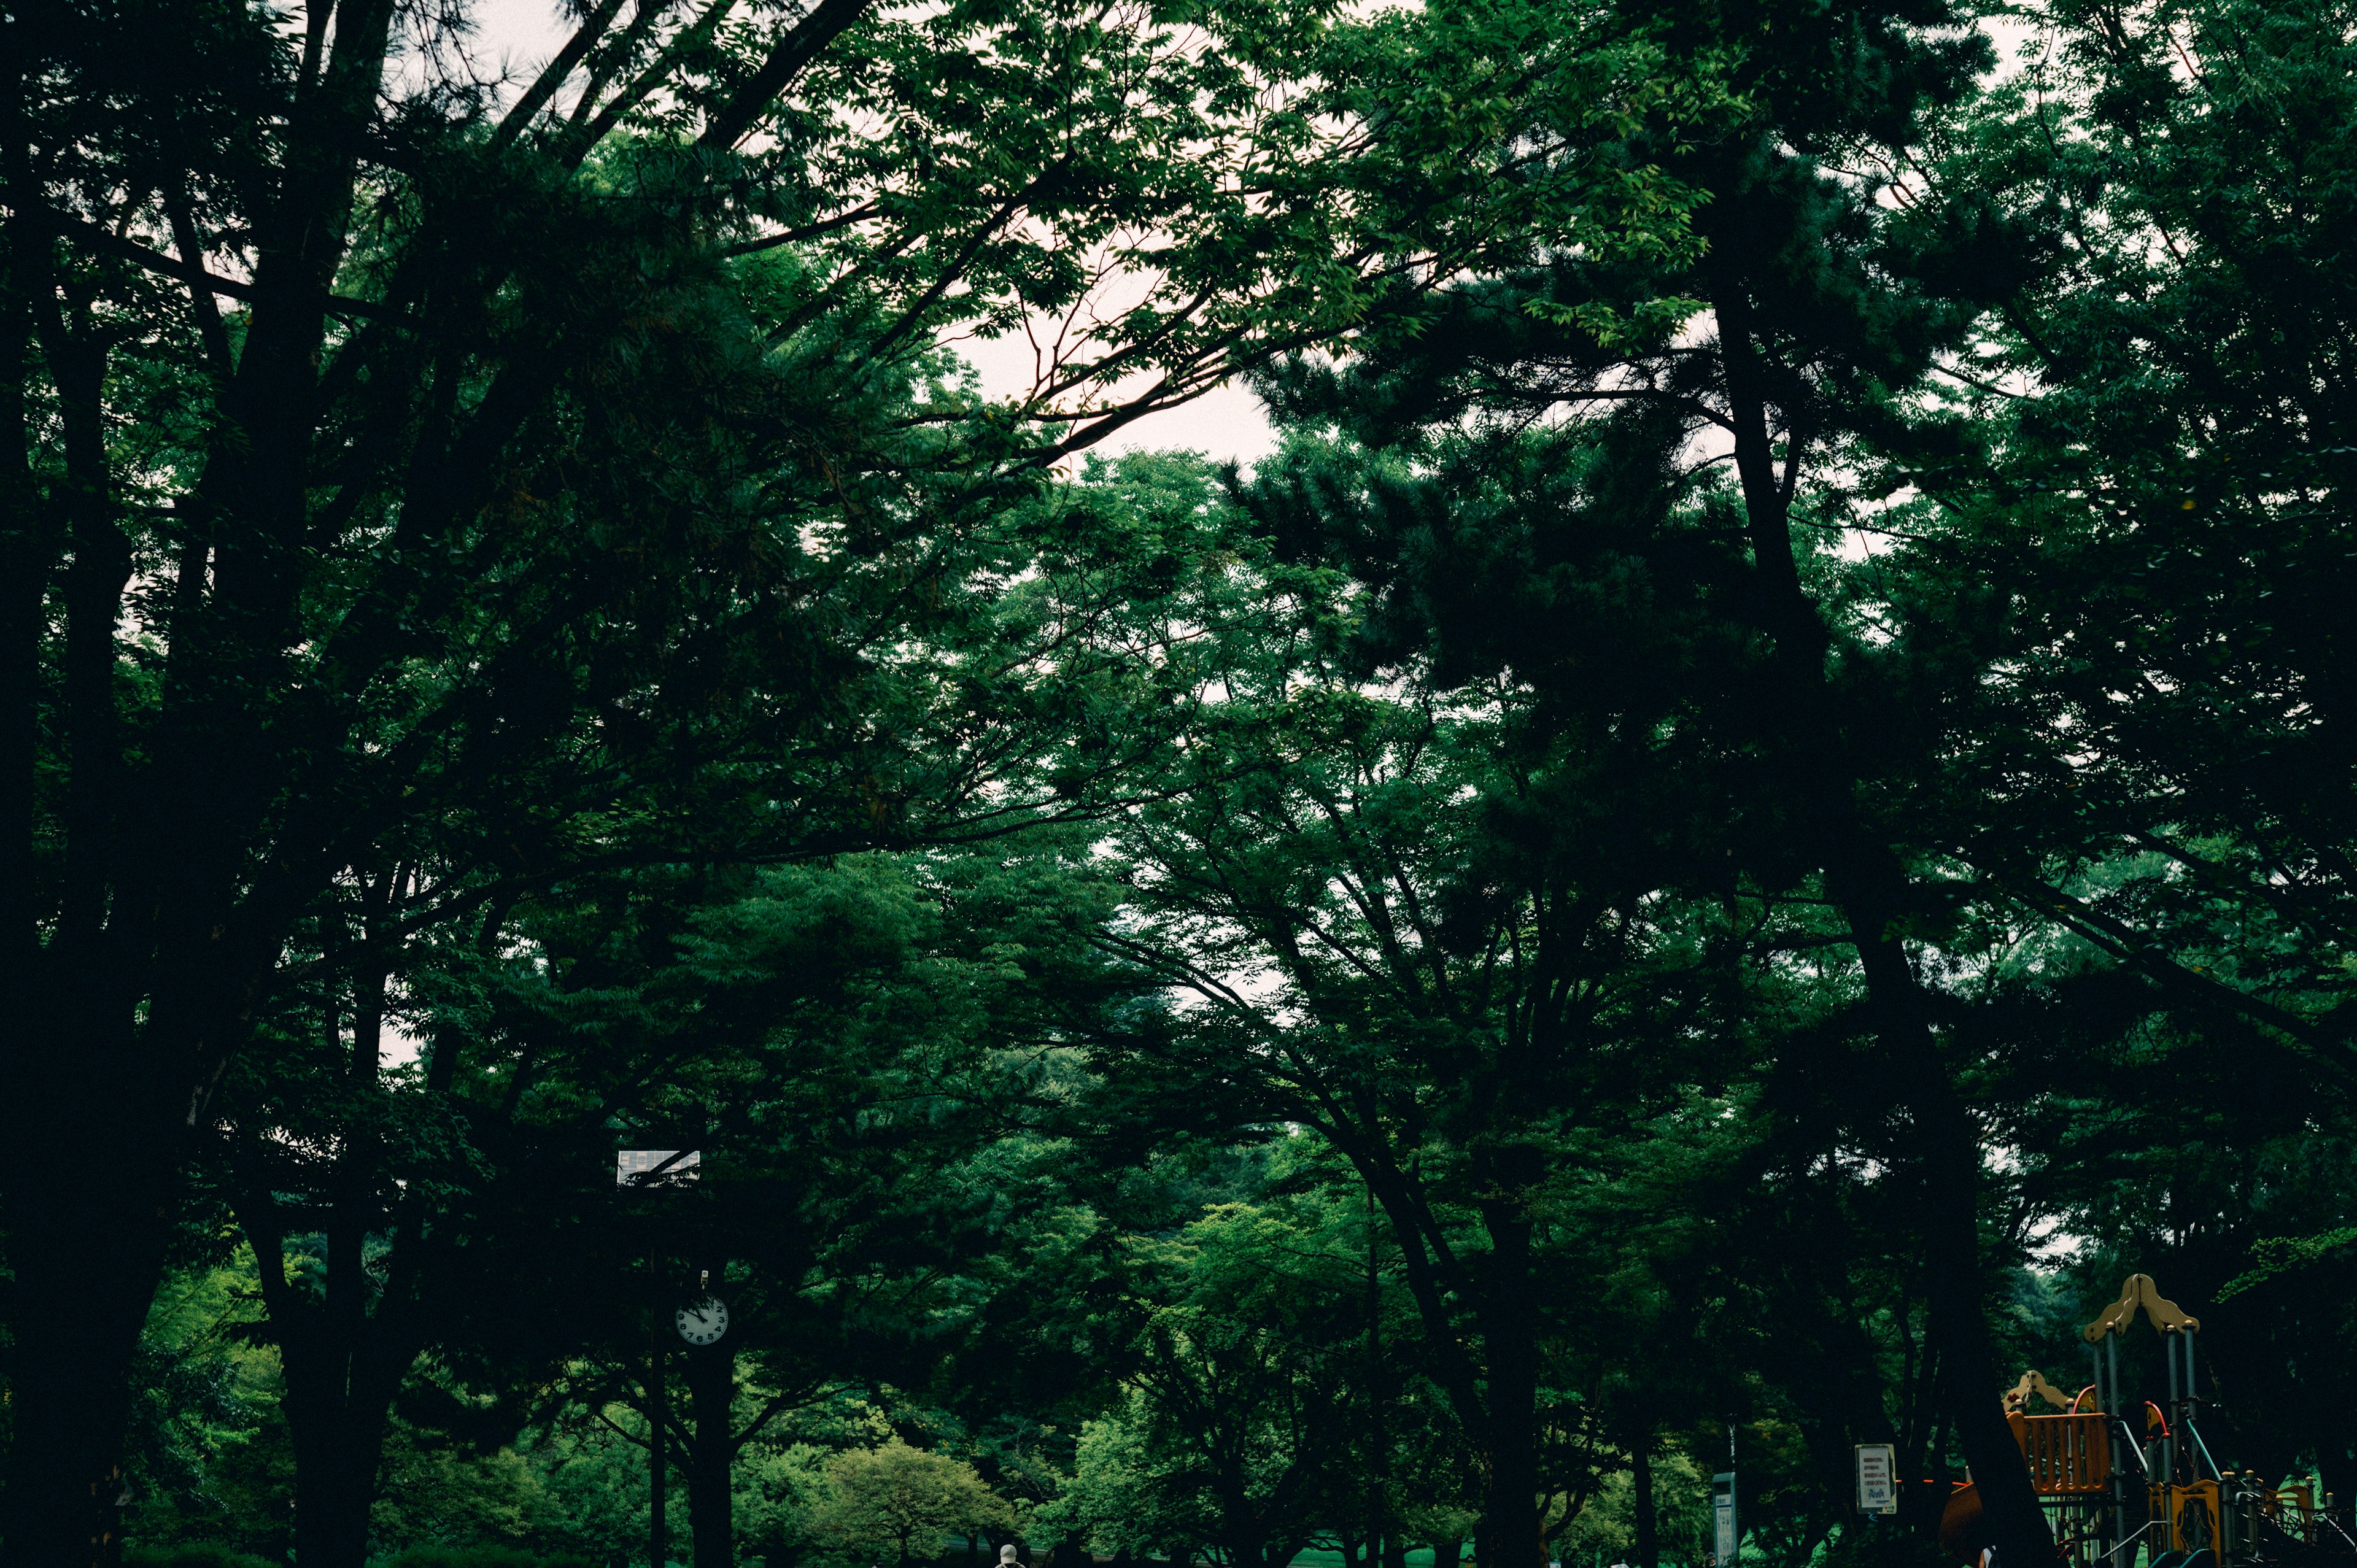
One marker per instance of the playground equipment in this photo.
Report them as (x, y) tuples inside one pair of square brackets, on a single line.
[(2114, 1495)]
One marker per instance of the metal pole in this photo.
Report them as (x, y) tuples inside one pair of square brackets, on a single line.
[(2199, 1451), (658, 1548), (2176, 1414), (1379, 1451), (2119, 1470)]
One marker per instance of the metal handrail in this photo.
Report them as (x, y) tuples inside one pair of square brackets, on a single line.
[(2127, 1543), (2215, 1473)]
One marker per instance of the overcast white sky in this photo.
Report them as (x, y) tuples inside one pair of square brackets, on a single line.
[(1226, 424)]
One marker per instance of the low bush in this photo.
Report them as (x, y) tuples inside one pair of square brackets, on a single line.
[(196, 1554), (475, 1557)]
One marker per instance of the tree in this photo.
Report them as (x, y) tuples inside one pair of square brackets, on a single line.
[(842, 1042), (2121, 590), (846, 1045), (1242, 1400), (1398, 931), (893, 1500), (1816, 309), (1245, 1424), (2173, 460)]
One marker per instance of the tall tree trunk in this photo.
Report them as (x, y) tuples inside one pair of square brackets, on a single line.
[(95, 1120), (1869, 885), (712, 1383), (1510, 1517), (25, 551), (335, 1482), (340, 1386), (93, 1148), (87, 1197), (343, 1362), (1497, 1402)]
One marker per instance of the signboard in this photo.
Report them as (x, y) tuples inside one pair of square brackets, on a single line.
[(1722, 1517), (1877, 1478), (656, 1168)]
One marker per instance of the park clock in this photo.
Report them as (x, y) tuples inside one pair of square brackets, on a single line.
[(702, 1322)]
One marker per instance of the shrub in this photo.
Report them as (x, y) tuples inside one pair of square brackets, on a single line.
[(475, 1557), (192, 1554)]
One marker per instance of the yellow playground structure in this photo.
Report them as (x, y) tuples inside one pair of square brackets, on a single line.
[(2124, 1480)]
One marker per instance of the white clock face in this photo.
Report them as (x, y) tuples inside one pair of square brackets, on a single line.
[(702, 1322)]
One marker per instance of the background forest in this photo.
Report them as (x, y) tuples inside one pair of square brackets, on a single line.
[(1752, 809)]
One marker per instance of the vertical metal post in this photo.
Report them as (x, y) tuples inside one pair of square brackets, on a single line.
[(658, 1547), (639, 1170), (1378, 1447), (2177, 1413), (2193, 1448), (2119, 1468)]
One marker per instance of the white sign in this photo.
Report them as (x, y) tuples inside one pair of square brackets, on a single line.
[(656, 1168), (1877, 1478), (1722, 1517)]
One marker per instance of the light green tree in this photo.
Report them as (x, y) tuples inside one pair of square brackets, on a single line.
[(778, 1494), (887, 1502)]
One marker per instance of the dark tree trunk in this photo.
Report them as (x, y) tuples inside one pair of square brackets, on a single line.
[(344, 1357), (94, 1117), (87, 1197), (26, 554), (92, 1149), (342, 1379), (1510, 1524), (712, 1384), (1448, 1553), (335, 1482)]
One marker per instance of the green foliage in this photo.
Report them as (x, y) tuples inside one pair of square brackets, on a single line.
[(1606, 1522), (1221, 1013), (191, 1556), (1237, 1431), (781, 1493), (474, 1557), (895, 1502)]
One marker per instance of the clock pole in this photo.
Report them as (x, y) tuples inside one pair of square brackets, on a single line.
[(639, 1169), (658, 1548)]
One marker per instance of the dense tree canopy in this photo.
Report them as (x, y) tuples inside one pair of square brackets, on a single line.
[(1751, 809)]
